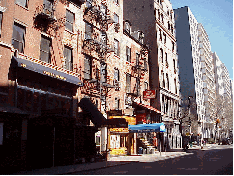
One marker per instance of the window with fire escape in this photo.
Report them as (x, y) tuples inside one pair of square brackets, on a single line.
[(116, 47), (68, 58), (23, 3), (103, 9), (88, 31), (45, 48), (128, 83), (138, 86), (18, 38), (103, 72), (128, 54), (87, 67), (70, 17)]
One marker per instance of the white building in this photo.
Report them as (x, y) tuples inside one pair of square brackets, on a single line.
[(207, 69)]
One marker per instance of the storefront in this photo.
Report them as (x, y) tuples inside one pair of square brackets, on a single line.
[(47, 94), (120, 141)]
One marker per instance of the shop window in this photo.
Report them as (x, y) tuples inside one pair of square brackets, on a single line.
[(128, 54), (23, 3), (116, 47), (128, 83), (69, 20), (88, 31), (45, 54), (87, 67), (68, 58), (18, 38)]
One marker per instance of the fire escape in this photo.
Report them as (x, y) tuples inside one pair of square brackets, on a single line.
[(96, 44), (138, 72)]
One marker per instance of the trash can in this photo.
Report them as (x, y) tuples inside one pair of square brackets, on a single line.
[(140, 150)]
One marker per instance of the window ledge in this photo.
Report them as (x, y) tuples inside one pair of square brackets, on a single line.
[(26, 8), (70, 31)]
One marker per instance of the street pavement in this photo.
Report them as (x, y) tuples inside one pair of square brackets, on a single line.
[(175, 159)]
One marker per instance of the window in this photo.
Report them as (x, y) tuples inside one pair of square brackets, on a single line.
[(23, 3), (48, 7), (88, 31), (175, 86), (173, 46), (18, 39), (116, 74), (169, 26), (161, 54), (160, 35), (128, 54), (103, 9), (165, 38), (1, 14), (116, 18), (45, 49), (167, 81), (128, 83), (127, 27), (116, 47), (117, 103), (103, 37), (69, 20), (87, 67), (145, 65), (137, 58), (88, 3), (166, 59), (146, 85), (138, 87), (68, 58), (116, 1)]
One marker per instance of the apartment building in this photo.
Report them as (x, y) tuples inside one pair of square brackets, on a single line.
[(190, 69), (207, 68), (68, 68), (156, 20)]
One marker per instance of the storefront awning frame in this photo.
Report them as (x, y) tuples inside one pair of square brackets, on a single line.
[(147, 128)]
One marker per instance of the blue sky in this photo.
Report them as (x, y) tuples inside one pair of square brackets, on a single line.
[(217, 18)]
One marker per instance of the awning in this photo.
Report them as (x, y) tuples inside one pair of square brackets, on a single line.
[(44, 70), (147, 128), (148, 107), (93, 113)]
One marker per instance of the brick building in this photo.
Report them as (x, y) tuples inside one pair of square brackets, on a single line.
[(57, 58)]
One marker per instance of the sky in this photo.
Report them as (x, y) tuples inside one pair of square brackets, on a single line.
[(216, 17)]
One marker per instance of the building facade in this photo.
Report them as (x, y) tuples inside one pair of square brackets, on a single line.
[(190, 71), (156, 20), (68, 67)]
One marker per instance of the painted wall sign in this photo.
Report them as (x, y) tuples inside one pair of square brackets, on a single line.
[(149, 94)]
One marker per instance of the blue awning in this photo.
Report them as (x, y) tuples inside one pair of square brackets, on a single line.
[(147, 128), (35, 67)]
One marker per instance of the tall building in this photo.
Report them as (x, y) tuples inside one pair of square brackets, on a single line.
[(190, 69), (67, 69), (208, 79), (156, 20)]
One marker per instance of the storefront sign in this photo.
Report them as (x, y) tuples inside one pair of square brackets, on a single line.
[(130, 120), (149, 94), (115, 113), (54, 75)]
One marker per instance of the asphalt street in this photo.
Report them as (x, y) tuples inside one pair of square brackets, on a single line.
[(216, 160)]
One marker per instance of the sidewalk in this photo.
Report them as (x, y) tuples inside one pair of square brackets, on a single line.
[(112, 161)]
